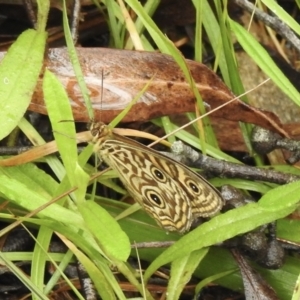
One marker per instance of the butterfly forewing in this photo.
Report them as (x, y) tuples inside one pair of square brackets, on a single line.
[(169, 191), (145, 182)]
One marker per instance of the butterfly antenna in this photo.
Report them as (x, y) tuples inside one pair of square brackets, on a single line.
[(102, 90)]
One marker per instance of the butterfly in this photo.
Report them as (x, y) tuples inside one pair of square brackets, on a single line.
[(167, 190)]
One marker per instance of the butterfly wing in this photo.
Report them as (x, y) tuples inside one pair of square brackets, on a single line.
[(205, 199), (149, 184), (168, 190)]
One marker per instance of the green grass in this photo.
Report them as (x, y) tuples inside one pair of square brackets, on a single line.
[(90, 230)]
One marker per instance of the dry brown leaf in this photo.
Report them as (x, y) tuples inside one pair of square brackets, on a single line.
[(127, 72)]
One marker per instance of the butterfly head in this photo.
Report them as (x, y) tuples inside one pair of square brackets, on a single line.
[(99, 130)]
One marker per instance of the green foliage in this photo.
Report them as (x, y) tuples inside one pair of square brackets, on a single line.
[(89, 227), (19, 71)]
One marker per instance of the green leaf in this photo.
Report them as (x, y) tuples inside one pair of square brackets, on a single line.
[(86, 243), (288, 229), (19, 72), (103, 287), (264, 61), (42, 14), (203, 283), (232, 223), (130, 274), (283, 197), (26, 196), (296, 294), (33, 177), (212, 29), (182, 270), (106, 229), (22, 276), (282, 15), (75, 63), (39, 257), (59, 109)]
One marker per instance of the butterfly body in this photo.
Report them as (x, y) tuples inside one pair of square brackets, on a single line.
[(168, 190)]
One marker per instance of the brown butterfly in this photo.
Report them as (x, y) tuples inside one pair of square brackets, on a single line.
[(168, 190)]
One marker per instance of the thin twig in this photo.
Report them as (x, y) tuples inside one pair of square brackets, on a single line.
[(226, 169)]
